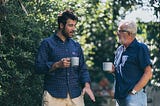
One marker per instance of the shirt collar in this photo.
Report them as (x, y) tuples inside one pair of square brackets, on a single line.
[(57, 39), (133, 43)]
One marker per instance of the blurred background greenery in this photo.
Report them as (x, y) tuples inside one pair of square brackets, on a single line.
[(24, 23)]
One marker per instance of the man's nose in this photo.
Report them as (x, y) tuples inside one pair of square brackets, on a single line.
[(118, 33)]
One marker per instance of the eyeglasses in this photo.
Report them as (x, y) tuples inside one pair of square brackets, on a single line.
[(119, 31)]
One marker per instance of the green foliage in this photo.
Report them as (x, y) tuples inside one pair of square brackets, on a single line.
[(21, 33), (20, 38), (153, 37), (156, 5), (150, 33)]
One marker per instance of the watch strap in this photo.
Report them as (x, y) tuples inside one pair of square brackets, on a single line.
[(133, 91)]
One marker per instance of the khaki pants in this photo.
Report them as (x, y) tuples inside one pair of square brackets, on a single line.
[(48, 100)]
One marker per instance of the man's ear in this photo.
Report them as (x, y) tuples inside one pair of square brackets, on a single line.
[(61, 25)]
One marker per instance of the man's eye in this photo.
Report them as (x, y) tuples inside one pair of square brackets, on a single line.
[(70, 25)]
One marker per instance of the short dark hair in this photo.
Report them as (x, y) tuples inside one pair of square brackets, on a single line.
[(63, 17)]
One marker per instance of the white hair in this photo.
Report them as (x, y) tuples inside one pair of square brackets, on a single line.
[(130, 26)]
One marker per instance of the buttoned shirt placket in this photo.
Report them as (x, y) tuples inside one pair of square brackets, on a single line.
[(67, 69)]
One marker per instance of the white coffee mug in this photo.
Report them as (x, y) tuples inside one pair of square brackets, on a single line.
[(74, 61), (107, 66)]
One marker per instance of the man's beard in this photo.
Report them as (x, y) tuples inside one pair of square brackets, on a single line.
[(121, 41), (64, 33)]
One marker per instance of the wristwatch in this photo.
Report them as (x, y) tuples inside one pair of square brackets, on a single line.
[(133, 92)]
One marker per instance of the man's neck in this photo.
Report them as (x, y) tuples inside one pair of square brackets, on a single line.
[(128, 43), (61, 36)]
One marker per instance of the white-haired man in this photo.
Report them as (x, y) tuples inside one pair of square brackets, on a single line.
[(132, 67)]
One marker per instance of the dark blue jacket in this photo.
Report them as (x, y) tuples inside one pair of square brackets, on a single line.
[(63, 80)]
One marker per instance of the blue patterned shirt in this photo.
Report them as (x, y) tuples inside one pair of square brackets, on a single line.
[(62, 80)]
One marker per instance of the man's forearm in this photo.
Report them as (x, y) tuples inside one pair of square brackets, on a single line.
[(145, 78), (54, 66)]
